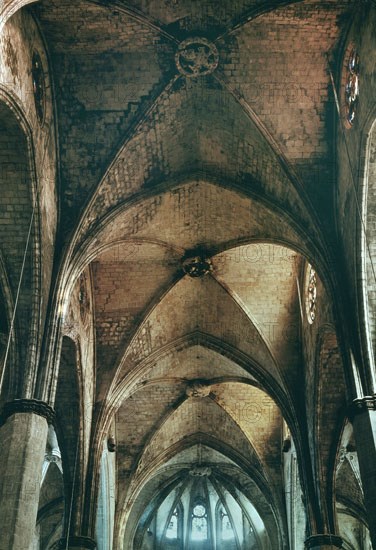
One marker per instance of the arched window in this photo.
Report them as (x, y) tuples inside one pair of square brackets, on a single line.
[(226, 531), (172, 528), (352, 86), (199, 523), (311, 294)]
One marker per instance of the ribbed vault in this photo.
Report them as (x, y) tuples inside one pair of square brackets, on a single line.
[(193, 348)]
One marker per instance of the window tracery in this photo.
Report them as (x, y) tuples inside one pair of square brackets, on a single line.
[(225, 526), (172, 529), (352, 87), (311, 299), (199, 529)]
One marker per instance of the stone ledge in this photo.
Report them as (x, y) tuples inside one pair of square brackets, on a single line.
[(33, 406), (361, 405)]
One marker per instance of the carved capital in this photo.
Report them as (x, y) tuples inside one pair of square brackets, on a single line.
[(323, 540), (361, 405), (33, 406), (53, 457), (78, 542)]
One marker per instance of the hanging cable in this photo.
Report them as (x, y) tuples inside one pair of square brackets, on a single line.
[(300, 299), (17, 296), (36, 198), (351, 171), (72, 495)]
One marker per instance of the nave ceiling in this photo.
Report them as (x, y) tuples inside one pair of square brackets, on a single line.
[(194, 308)]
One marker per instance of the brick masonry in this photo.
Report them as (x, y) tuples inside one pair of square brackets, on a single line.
[(244, 166)]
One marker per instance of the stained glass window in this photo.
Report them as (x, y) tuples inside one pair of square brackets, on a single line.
[(172, 529), (199, 523), (352, 86), (311, 300), (226, 529)]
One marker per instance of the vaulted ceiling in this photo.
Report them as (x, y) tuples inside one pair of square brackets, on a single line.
[(196, 183)]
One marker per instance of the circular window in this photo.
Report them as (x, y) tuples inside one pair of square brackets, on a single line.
[(199, 511)]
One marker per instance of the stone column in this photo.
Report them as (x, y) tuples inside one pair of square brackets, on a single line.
[(323, 542), (23, 435), (363, 417), (77, 543)]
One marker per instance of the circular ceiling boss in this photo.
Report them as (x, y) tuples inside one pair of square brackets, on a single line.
[(197, 266), (196, 57)]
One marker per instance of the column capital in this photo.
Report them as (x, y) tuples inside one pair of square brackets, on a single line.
[(33, 406), (323, 540), (78, 542), (361, 405)]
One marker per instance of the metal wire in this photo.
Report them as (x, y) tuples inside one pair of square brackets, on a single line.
[(72, 495), (17, 297), (36, 199), (300, 299)]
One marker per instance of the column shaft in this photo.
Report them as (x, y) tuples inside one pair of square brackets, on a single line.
[(22, 441), (364, 425)]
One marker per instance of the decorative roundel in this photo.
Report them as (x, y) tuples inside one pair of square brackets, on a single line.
[(311, 297), (196, 57), (352, 87), (199, 511), (39, 86)]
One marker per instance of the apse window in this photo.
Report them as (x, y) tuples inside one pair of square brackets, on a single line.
[(172, 529), (199, 523), (226, 529), (311, 299), (352, 87)]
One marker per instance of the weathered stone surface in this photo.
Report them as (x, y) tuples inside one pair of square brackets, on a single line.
[(23, 440), (196, 173), (365, 435)]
